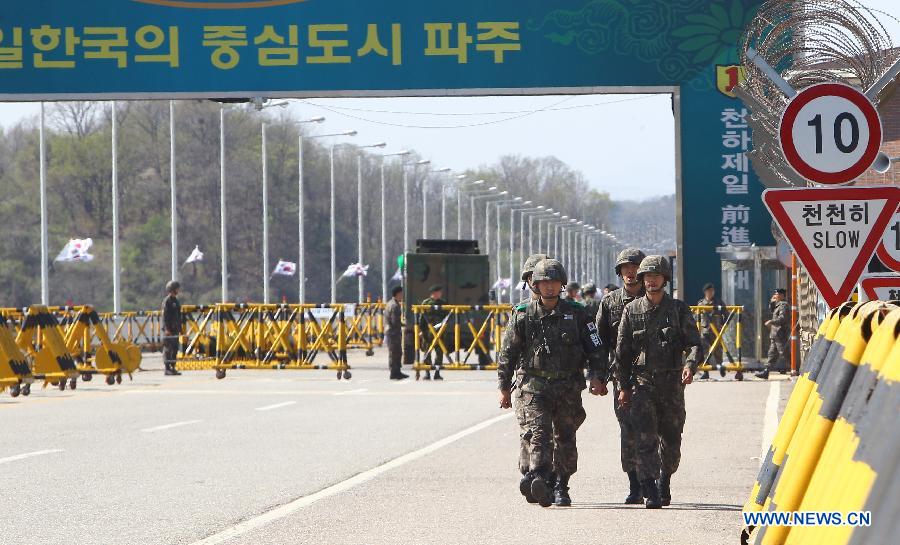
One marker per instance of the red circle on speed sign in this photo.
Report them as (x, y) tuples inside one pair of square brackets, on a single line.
[(830, 133)]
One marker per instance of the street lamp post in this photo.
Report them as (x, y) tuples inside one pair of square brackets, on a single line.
[(384, 259), (115, 213), (541, 248), (425, 200), (499, 204), (530, 214), (359, 216), (173, 194), (459, 190), (332, 224), (406, 202), (265, 202), (512, 238), (487, 220), (45, 261), (472, 198), (301, 249)]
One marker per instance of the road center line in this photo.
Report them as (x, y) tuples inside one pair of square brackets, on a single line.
[(351, 392), (170, 426), (770, 418), (276, 406), (27, 455), (335, 489)]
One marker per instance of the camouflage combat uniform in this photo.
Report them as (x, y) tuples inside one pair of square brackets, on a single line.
[(715, 317), (650, 350), (393, 335), (547, 351), (434, 317), (591, 306), (779, 333), (608, 320)]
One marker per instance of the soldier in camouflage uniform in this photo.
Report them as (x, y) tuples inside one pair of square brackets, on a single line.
[(655, 333), (525, 438), (608, 319), (779, 332), (590, 301), (573, 290), (393, 333), (715, 317), (435, 318), (547, 345), (171, 321)]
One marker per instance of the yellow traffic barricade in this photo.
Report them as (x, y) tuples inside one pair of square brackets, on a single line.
[(40, 338), (106, 357), (734, 354), (15, 374), (466, 330)]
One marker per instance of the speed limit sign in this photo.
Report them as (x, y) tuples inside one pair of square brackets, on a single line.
[(889, 249), (830, 133)]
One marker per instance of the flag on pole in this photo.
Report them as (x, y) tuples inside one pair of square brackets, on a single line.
[(356, 270), (76, 250), (196, 255), (285, 268), (502, 283), (398, 276)]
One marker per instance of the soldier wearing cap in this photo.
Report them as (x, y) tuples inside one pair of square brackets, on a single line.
[(393, 333), (433, 317), (779, 332), (608, 319), (655, 335), (171, 322), (547, 344), (710, 319), (589, 300)]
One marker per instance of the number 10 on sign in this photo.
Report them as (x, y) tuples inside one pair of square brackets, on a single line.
[(830, 133)]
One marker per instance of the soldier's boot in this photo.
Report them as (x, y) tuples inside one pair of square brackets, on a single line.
[(634, 496), (704, 375), (437, 374), (561, 496), (170, 369), (541, 491), (665, 491), (651, 492), (427, 375), (764, 374), (525, 487)]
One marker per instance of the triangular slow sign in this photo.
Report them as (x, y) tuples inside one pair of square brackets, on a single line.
[(880, 287), (834, 231)]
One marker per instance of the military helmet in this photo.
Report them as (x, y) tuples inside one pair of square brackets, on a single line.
[(549, 269), (589, 288), (629, 255), (172, 285), (528, 267), (655, 264), (573, 286)]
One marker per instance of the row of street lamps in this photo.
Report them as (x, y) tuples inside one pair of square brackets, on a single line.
[(585, 249)]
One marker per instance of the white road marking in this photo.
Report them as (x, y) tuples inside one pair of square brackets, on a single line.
[(351, 392), (300, 503), (770, 418), (170, 426), (27, 455), (276, 406)]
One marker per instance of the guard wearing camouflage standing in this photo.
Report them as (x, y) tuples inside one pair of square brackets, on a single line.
[(608, 318), (779, 332), (655, 334), (393, 333), (547, 344), (711, 322), (171, 322), (433, 317), (590, 301)]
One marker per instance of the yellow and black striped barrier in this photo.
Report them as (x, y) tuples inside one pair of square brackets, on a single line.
[(837, 448), (733, 352), (466, 332), (15, 373)]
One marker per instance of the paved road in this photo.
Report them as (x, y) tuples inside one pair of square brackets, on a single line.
[(297, 457)]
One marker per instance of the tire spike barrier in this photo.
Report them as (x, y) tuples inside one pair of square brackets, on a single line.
[(40, 338), (735, 317), (15, 374), (837, 443)]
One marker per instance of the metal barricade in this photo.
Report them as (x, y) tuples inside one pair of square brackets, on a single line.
[(465, 330), (722, 337)]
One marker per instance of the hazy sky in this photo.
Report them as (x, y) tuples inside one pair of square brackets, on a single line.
[(624, 144)]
